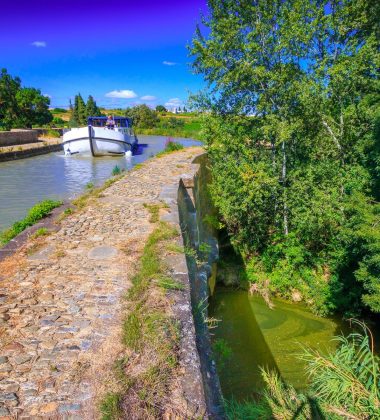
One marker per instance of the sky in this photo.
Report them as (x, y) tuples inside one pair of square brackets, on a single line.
[(121, 52)]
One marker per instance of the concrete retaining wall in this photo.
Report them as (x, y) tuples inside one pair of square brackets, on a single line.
[(16, 136)]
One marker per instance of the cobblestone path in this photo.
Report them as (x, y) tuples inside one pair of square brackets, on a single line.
[(60, 304)]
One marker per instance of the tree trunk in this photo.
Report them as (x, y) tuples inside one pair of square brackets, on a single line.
[(283, 179)]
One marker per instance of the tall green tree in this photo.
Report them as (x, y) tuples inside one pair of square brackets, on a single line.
[(79, 111), (91, 107), (293, 91)]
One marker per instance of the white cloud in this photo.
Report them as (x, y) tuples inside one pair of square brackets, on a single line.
[(148, 98), (39, 44), (169, 63), (174, 103), (47, 95), (124, 94)]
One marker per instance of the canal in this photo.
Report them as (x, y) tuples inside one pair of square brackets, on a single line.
[(258, 336), (25, 182)]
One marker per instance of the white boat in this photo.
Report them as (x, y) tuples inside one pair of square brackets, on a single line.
[(100, 139)]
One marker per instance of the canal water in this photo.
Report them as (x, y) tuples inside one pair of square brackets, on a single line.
[(25, 182), (258, 336)]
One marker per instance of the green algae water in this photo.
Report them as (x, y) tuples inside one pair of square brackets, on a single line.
[(271, 338)]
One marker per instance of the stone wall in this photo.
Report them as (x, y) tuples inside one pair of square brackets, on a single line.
[(16, 136), (27, 153), (194, 204)]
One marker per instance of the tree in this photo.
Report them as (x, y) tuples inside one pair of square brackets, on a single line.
[(142, 116), (79, 112), (161, 108), (33, 108), (21, 106), (91, 107), (293, 99)]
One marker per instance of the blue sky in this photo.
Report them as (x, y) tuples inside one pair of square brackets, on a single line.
[(121, 52)]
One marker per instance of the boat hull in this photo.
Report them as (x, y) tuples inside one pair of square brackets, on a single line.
[(103, 142)]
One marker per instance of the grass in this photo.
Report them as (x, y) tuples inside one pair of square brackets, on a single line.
[(36, 213), (94, 192), (110, 407), (170, 147), (150, 335), (343, 384), (40, 232), (51, 134)]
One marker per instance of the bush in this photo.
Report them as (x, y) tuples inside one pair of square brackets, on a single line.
[(172, 146), (57, 121)]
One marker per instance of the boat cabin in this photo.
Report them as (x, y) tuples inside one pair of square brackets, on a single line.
[(101, 121)]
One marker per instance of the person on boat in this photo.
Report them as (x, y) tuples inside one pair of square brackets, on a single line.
[(110, 122)]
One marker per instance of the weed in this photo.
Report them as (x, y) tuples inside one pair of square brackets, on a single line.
[(110, 407), (170, 147), (116, 170), (173, 247), (169, 283), (89, 185), (59, 253), (40, 232)]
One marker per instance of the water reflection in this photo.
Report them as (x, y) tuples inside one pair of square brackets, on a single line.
[(25, 182)]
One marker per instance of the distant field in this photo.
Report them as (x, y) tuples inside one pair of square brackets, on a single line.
[(191, 128)]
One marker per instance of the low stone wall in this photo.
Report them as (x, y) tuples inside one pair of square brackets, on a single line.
[(16, 136), (26, 153)]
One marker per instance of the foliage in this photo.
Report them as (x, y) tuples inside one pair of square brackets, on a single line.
[(293, 137), (344, 384), (59, 111), (170, 147), (161, 108), (35, 214), (81, 111), (172, 122), (58, 121), (21, 107), (142, 116), (91, 108)]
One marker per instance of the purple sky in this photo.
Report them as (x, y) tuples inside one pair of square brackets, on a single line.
[(98, 47)]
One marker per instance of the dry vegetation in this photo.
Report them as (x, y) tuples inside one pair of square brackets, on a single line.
[(145, 369)]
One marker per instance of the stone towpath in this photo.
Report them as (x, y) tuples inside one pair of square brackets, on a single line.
[(60, 303)]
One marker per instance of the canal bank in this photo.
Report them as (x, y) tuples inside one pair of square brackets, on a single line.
[(63, 302), (239, 333)]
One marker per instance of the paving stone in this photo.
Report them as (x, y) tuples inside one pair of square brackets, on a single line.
[(62, 303), (102, 253)]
